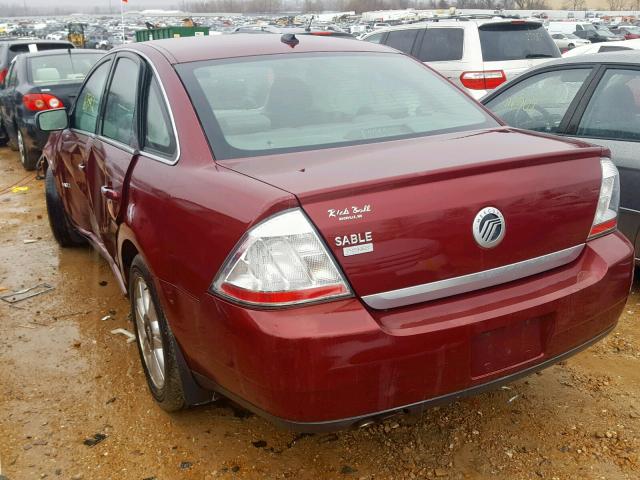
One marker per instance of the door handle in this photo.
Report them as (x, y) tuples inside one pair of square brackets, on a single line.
[(109, 193)]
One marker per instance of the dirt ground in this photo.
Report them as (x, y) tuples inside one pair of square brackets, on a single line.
[(65, 378)]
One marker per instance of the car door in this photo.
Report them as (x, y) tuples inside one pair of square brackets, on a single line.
[(115, 148), (76, 143), (609, 116)]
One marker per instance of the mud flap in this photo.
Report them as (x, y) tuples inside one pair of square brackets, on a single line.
[(194, 394)]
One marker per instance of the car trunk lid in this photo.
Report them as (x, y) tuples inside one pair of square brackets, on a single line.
[(399, 214)]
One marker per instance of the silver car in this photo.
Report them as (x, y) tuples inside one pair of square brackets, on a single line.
[(476, 54), (568, 41)]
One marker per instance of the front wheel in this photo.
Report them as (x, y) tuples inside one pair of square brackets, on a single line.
[(63, 231), (156, 345)]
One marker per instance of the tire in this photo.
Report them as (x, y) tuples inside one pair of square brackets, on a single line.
[(571, 46), (27, 158), (161, 369), (4, 136), (63, 231)]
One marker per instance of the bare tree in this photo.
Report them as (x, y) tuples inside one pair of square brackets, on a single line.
[(616, 4)]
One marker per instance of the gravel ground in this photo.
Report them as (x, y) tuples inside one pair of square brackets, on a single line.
[(74, 403)]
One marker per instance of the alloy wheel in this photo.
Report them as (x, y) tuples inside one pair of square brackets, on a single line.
[(21, 148), (149, 334)]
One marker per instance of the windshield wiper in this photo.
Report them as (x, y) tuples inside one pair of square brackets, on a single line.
[(538, 55)]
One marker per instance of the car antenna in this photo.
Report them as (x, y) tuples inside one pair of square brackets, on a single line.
[(308, 27), (290, 39)]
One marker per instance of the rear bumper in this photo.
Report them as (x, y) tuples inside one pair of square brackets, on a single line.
[(331, 365), (35, 139)]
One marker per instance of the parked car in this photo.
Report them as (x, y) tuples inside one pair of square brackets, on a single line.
[(594, 98), (292, 30), (598, 35), (476, 54), (36, 82), (568, 41), (569, 27), (9, 48), (608, 47), (629, 32), (330, 233)]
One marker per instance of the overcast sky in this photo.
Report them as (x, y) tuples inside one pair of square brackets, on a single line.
[(133, 4)]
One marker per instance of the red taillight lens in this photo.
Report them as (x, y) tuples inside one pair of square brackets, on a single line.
[(281, 262), (41, 101), (485, 80), (3, 74)]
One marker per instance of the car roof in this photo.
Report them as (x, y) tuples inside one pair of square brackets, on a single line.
[(623, 56), (194, 49), (457, 22)]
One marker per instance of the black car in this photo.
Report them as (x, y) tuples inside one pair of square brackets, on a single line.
[(10, 48), (36, 82), (595, 98)]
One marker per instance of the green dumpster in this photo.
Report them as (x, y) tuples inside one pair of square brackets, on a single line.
[(170, 32)]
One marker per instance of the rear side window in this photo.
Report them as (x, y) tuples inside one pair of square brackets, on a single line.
[(402, 39), (614, 109), (516, 41), (158, 135), (441, 44)]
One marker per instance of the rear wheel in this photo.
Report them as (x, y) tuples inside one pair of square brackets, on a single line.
[(571, 45), (155, 340), (27, 158), (63, 231)]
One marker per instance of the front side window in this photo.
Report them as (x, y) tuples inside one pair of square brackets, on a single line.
[(284, 103), (539, 102), (158, 136), (441, 44), (120, 107), (402, 39), (515, 41), (614, 109), (87, 106)]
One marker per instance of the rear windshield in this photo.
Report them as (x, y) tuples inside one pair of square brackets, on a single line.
[(55, 69), (286, 103), (508, 41)]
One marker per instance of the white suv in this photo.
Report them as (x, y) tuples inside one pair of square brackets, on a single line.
[(477, 54)]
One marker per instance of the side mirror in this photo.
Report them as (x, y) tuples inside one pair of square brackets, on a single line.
[(52, 120)]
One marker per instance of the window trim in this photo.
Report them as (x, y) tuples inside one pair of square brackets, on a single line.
[(580, 110)]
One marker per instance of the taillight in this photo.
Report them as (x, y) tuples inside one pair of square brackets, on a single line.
[(606, 217), (280, 262), (3, 74), (485, 80), (41, 101)]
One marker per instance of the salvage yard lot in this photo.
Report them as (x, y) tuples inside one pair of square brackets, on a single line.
[(65, 378)]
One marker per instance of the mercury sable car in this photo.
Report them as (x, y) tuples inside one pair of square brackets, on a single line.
[(327, 231)]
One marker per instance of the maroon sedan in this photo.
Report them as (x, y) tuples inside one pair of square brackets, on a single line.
[(328, 232)]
